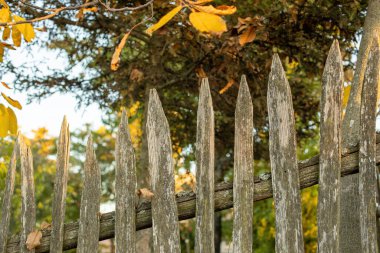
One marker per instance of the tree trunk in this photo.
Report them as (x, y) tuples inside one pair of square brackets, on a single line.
[(349, 220)]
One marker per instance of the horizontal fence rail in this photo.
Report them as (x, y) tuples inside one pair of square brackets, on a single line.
[(308, 172)]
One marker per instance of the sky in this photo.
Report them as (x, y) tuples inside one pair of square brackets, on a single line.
[(50, 111)]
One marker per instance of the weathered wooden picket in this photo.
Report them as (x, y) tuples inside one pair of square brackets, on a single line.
[(166, 208)]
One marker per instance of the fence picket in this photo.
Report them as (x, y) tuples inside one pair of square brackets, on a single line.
[(283, 159), (367, 156), (60, 187), (125, 189), (7, 200), (166, 236), (28, 207), (89, 221), (204, 232), (243, 171), (330, 152)]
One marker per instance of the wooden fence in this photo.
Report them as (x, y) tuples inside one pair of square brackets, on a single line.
[(166, 208)]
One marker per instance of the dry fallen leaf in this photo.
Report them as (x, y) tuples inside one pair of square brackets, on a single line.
[(33, 240), (136, 75), (45, 225), (145, 193), (247, 36)]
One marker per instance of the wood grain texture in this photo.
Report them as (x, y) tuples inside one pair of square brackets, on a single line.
[(60, 188), (125, 189), (368, 172), (28, 207), (89, 221), (330, 152), (308, 173), (204, 231), (283, 160), (7, 200), (166, 236), (243, 171)]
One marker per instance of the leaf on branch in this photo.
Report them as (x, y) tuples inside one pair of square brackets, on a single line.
[(208, 23), (1, 54), (199, 2), (16, 36), (227, 86), (6, 33), (6, 45), (115, 62), (6, 85), (145, 193), (12, 127), (247, 36), (4, 121), (33, 240), (5, 14), (11, 101), (26, 29), (163, 20), (219, 10)]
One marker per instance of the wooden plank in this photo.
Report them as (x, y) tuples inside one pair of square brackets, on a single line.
[(28, 207), (7, 200), (368, 172), (186, 201), (204, 231), (166, 236), (125, 190), (60, 188), (89, 221), (330, 152), (243, 171), (283, 160)]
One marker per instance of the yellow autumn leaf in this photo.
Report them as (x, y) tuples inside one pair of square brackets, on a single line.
[(12, 121), (199, 2), (168, 16), (115, 62), (4, 121), (6, 45), (26, 29), (4, 4), (6, 33), (12, 102), (5, 15), (1, 53), (346, 95), (16, 36), (219, 10), (208, 23)]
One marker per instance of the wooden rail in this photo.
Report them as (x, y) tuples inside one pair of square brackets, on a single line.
[(308, 172)]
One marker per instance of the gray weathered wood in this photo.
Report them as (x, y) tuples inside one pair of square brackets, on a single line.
[(125, 190), (7, 200), (204, 231), (283, 160), (186, 201), (367, 156), (243, 171), (89, 221), (28, 207), (330, 152), (60, 188), (165, 215)]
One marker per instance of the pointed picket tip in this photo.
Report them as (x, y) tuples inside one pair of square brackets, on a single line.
[(277, 72), (244, 95), (334, 63), (205, 92)]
